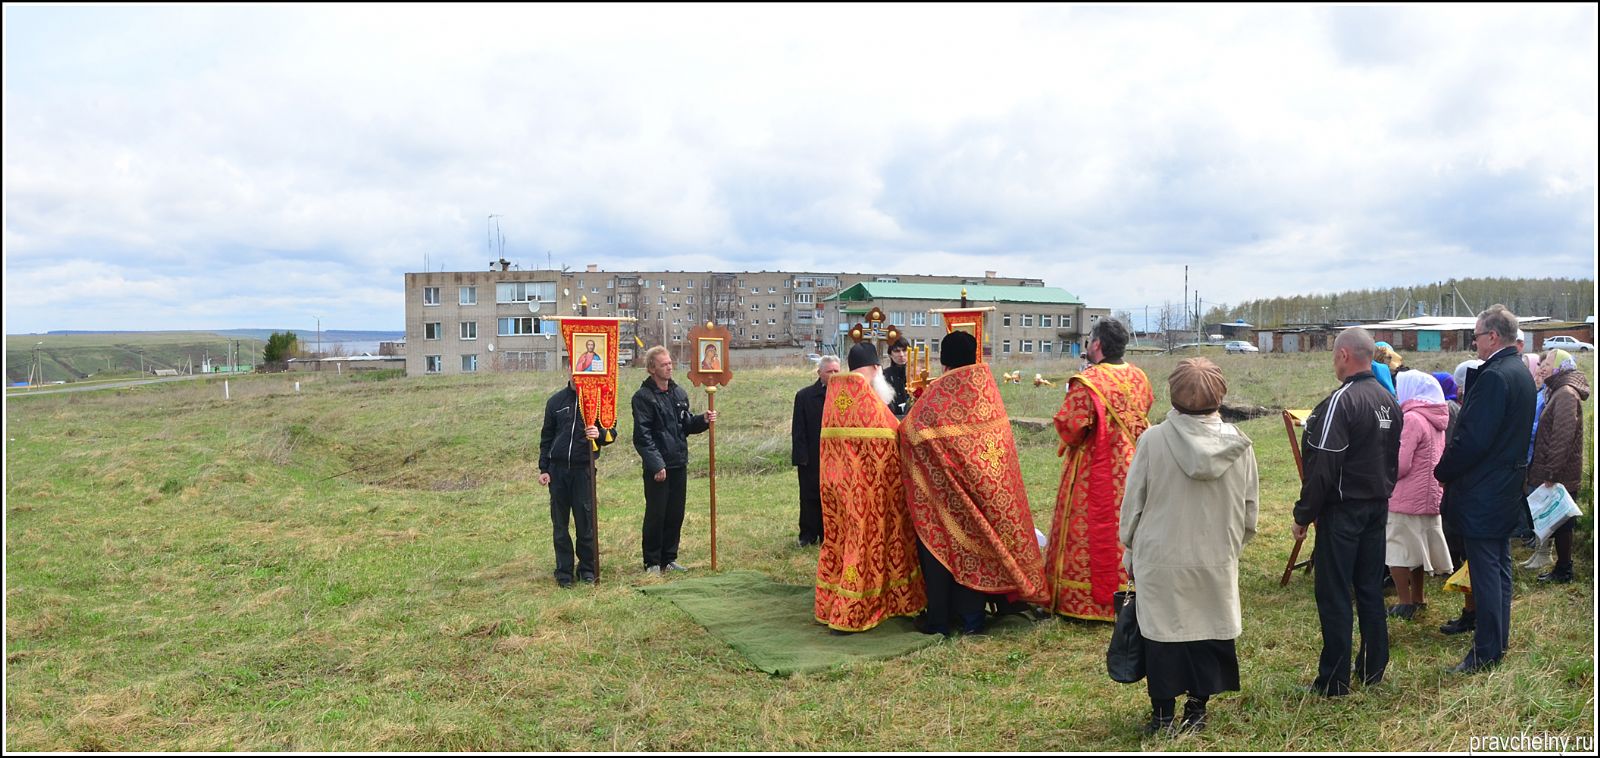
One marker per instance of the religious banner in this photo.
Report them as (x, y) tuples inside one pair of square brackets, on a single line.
[(965, 319), (709, 367), (592, 348)]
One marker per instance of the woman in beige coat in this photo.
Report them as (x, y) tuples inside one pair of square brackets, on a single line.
[(1190, 506)]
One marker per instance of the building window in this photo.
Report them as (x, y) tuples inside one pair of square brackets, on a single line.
[(432, 330), (518, 361), (689, 284), (772, 290), (1045, 321), (675, 289), (1027, 346), (938, 319), (430, 295), (611, 283), (469, 296), (663, 300), (1005, 321), (611, 299), (1005, 347), (510, 327), (469, 364), (919, 318), (677, 306), (804, 297), (755, 306), (1066, 321), (435, 364), (1027, 322), (688, 299), (772, 306), (469, 330), (522, 292), (755, 290), (1045, 346), (785, 299), (772, 322)]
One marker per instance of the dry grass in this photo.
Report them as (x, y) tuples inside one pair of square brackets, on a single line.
[(365, 565)]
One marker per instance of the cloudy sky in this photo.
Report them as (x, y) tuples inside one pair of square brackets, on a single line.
[(222, 167)]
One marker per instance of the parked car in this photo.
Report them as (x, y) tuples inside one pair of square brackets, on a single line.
[(1240, 346), (813, 357), (1569, 344)]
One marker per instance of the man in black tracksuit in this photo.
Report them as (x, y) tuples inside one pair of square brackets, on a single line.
[(662, 424), (565, 452), (1351, 452)]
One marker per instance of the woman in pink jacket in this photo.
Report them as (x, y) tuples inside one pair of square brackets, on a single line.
[(1416, 543)]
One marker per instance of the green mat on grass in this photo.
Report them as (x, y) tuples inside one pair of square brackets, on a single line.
[(773, 625)]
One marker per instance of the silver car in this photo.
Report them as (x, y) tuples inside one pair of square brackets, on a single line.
[(1240, 346)]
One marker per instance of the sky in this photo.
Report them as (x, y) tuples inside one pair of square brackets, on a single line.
[(263, 166)]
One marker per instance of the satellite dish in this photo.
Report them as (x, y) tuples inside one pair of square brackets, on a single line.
[(566, 292), (533, 306), (491, 347)]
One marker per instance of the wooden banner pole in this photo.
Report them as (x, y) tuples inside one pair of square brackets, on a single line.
[(711, 405)]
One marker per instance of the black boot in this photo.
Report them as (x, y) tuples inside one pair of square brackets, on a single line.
[(1194, 715), (1466, 623), (1558, 575), (1160, 718)]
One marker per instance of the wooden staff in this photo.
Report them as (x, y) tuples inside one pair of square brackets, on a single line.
[(711, 406), (594, 501), (1300, 467)]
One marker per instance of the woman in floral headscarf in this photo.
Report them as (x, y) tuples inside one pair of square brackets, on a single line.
[(1558, 445)]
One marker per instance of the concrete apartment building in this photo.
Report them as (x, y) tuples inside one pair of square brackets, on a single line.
[(1028, 323), (472, 321)]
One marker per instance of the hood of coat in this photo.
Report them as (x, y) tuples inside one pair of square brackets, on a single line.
[(1574, 379), (1436, 415), (1204, 451)]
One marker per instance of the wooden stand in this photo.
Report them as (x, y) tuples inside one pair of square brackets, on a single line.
[(711, 405), (1300, 467)]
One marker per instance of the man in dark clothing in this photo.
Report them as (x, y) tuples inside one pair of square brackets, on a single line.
[(1351, 451), (1483, 470), (565, 455), (662, 424), (805, 433), (896, 376)]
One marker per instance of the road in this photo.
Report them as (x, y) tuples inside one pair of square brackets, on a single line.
[(53, 389)]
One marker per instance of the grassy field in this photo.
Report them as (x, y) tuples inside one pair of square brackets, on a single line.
[(366, 565), (77, 357)]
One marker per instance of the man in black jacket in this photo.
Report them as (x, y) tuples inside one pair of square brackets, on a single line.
[(1482, 470), (565, 453), (805, 446), (662, 424), (897, 376), (1351, 452)]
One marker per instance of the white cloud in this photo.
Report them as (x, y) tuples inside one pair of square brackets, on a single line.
[(289, 160)]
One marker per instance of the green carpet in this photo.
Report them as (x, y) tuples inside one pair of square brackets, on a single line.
[(773, 624)]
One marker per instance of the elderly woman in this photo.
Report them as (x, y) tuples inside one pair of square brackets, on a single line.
[(1189, 508), (1558, 445), (1416, 544)]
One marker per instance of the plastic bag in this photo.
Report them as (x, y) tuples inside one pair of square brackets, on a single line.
[(1551, 506), (1460, 581)]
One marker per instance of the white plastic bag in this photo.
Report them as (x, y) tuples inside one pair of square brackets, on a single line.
[(1551, 507)]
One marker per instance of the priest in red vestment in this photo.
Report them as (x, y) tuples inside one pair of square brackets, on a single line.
[(867, 570), (1106, 408), (975, 535)]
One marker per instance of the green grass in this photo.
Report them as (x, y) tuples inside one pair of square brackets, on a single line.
[(366, 565), (97, 356)]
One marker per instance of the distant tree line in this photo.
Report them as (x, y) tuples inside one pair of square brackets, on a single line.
[(1560, 299)]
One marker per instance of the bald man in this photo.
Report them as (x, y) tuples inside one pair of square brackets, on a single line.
[(1351, 451)]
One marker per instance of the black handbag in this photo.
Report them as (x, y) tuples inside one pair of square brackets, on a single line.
[(1125, 655)]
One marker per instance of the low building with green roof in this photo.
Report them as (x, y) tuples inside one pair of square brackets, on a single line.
[(1028, 323)]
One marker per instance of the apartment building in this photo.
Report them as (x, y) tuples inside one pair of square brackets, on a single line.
[(1029, 322), (496, 320)]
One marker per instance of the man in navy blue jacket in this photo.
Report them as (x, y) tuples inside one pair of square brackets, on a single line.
[(1482, 469)]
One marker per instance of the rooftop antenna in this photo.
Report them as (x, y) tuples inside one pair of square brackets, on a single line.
[(488, 238)]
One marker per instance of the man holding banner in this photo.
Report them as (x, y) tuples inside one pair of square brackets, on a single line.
[(568, 447), (662, 424)]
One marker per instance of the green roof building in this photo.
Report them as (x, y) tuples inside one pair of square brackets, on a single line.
[(1028, 323)]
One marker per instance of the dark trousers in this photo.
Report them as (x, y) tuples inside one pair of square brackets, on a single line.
[(1489, 565), (569, 494), (663, 516), (810, 504), (1350, 566), (949, 603)]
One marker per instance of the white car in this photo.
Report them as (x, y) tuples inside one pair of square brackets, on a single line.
[(1240, 346), (1569, 344)]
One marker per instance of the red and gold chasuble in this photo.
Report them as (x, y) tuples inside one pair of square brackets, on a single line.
[(964, 486), (1106, 409), (868, 568)]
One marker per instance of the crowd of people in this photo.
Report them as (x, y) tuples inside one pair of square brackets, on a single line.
[(918, 508)]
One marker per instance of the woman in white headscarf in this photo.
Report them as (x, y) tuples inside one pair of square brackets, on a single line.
[(1416, 544)]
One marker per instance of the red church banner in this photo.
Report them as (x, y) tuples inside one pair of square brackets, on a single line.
[(592, 348), (969, 320)]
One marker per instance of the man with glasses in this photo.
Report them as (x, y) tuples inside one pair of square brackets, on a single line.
[(1482, 469)]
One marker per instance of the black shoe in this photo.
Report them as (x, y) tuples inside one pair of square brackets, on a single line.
[(587, 580), (1557, 575), (1194, 717), (1468, 666), (1313, 689), (1403, 611), (566, 584), (1157, 725), (923, 625), (1467, 622)]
